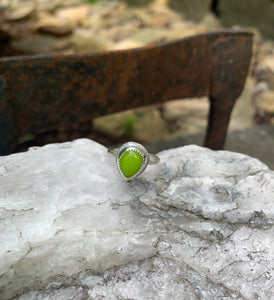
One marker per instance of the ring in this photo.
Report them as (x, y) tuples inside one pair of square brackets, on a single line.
[(132, 159)]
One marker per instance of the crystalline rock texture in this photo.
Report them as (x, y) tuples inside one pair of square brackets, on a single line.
[(198, 225)]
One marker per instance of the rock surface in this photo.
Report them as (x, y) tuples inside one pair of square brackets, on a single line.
[(196, 226)]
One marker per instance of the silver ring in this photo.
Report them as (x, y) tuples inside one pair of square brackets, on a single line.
[(132, 159)]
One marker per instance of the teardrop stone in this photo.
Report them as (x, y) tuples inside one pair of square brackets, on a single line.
[(130, 163)]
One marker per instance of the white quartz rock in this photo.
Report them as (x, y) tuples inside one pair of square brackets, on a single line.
[(196, 226)]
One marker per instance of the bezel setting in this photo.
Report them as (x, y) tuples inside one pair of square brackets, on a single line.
[(132, 146)]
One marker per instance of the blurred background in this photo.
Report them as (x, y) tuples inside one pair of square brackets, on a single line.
[(81, 26)]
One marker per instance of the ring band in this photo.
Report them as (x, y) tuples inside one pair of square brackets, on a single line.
[(132, 159)]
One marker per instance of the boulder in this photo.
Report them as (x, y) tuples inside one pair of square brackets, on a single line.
[(198, 225)]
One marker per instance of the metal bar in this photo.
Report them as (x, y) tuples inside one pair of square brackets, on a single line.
[(48, 91), (229, 67), (8, 132)]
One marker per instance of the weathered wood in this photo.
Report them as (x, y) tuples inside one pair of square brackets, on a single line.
[(48, 91)]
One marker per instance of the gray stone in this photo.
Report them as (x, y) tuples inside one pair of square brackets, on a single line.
[(51, 5), (199, 225), (138, 2), (191, 9), (253, 13), (85, 40), (21, 12), (150, 36), (52, 25), (39, 44), (211, 22), (265, 102)]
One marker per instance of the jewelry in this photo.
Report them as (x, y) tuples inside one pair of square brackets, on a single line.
[(132, 159)]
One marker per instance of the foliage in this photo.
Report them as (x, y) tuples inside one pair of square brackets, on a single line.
[(93, 1), (129, 123), (25, 138)]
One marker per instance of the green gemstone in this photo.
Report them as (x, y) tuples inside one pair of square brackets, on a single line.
[(130, 163)]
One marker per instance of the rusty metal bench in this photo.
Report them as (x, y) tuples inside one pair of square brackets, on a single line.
[(38, 93)]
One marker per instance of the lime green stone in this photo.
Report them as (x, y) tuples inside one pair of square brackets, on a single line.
[(130, 163)]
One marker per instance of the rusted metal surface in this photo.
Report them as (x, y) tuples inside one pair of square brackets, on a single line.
[(8, 131), (46, 92), (230, 60)]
